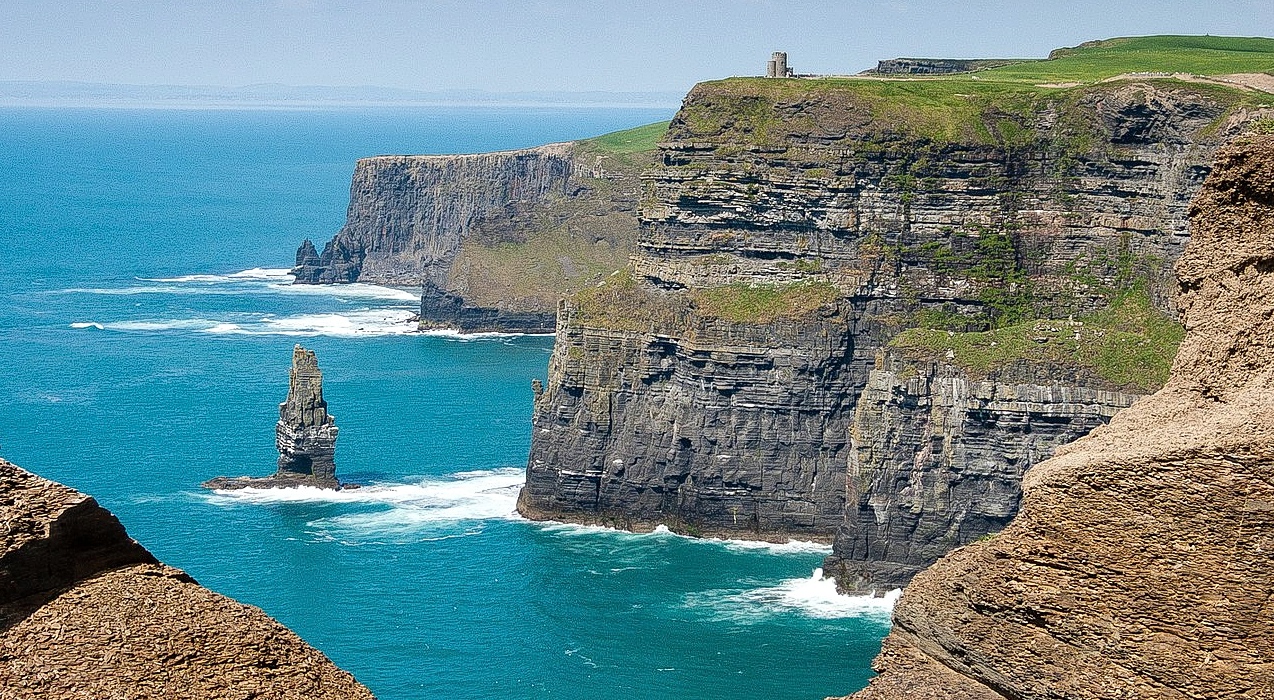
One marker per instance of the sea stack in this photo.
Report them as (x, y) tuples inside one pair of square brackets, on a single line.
[(305, 434)]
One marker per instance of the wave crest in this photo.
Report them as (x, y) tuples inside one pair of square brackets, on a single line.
[(812, 597), (449, 506)]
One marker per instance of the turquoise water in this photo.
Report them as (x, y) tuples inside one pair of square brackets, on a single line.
[(146, 332)]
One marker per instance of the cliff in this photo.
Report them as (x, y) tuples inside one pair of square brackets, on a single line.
[(794, 229), (1139, 565), (937, 459), (495, 239), (85, 611)]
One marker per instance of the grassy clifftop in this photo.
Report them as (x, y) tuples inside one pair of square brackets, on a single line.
[(971, 107)]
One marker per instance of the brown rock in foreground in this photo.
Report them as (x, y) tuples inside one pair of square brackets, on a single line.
[(1142, 562), (86, 612)]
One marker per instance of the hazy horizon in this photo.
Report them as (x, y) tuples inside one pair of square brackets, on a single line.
[(550, 45)]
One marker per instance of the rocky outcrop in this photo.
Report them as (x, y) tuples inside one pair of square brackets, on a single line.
[(937, 459), (495, 238), (86, 612), (793, 229), (931, 66), (305, 434), (1139, 565)]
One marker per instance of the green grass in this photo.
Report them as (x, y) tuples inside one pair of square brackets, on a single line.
[(621, 302), (636, 140), (745, 303), (1128, 346), (992, 106), (1094, 61)]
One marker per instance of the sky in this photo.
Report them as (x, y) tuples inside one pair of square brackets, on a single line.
[(553, 45)]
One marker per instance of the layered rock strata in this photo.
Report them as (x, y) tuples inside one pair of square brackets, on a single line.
[(495, 238), (305, 434), (1139, 565), (408, 213), (793, 228), (86, 612), (937, 459)]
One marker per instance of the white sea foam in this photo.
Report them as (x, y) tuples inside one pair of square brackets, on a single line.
[(264, 273), (363, 322), (791, 547), (452, 334), (151, 326), (812, 597), (257, 280), (409, 512), (87, 324), (256, 273)]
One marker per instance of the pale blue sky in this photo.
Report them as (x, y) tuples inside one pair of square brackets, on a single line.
[(570, 45)]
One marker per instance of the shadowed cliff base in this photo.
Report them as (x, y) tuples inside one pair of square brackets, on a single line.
[(1140, 564), (86, 612)]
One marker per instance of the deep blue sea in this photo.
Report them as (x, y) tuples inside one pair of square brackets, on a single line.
[(146, 332)]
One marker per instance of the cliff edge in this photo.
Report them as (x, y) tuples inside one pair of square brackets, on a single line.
[(1140, 563), (86, 612)]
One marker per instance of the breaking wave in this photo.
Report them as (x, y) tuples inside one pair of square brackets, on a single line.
[(812, 597), (792, 547), (362, 322), (257, 280), (430, 509)]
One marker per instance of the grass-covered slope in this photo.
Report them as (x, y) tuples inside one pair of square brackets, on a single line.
[(1098, 60), (528, 259), (980, 107), (1129, 346)]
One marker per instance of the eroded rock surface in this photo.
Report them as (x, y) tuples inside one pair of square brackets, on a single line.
[(1140, 564), (494, 238), (86, 612)]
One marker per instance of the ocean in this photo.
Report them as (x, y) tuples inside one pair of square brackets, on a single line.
[(146, 332)]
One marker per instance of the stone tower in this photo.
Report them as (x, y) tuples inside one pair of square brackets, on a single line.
[(776, 67)]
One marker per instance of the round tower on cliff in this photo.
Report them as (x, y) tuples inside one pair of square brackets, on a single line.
[(776, 67)]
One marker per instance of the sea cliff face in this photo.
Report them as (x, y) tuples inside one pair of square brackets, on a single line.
[(1139, 565), (793, 230), (493, 239), (937, 459), (409, 214), (86, 612)]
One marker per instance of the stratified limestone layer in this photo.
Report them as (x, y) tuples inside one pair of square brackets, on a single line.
[(1142, 562), (86, 612), (408, 215), (717, 392)]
